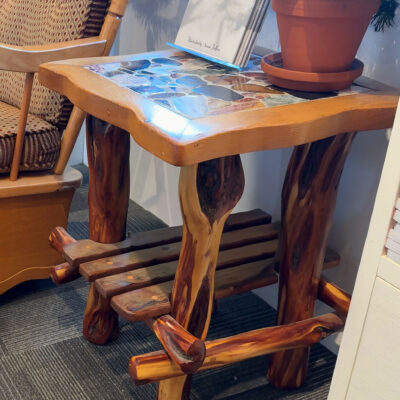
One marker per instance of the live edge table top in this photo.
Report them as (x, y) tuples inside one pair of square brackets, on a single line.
[(187, 110)]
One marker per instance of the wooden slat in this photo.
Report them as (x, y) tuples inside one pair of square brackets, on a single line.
[(88, 250), (145, 303), (246, 219), (133, 280), (153, 301), (244, 278), (131, 303), (230, 240)]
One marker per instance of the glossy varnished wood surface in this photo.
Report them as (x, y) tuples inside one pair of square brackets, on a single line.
[(108, 159), (207, 192), (25, 223), (184, 349), (39, 183), (109, 183), (220, 352), (84, 251), (181, 141), (28, 58), (308, 202)]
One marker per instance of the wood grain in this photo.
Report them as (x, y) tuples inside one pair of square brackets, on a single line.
[(157, 366), (207, 192), (135, 279), (147, 302), (88, 250), (28, 58), (334, 297), (186, 350), (30, 218), (59, 238), (139, 304), (235, 277), (85, 250), (100, 322), (308, 202), (131, 297), (189, 141), (108, 159), (260, 248), (63, 273), (39, 183)]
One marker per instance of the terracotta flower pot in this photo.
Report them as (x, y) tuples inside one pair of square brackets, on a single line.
[(322, 35)]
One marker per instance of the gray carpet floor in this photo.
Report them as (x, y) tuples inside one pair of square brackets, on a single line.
[(44, 356)]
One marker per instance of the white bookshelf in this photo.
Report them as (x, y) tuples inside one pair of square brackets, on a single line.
[(368, 365)]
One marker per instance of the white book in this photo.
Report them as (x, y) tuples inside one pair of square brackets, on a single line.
[(396, 216), (253, 29), (394, 235), (392, 245), (221, 30), (394, 256), (397, 227)]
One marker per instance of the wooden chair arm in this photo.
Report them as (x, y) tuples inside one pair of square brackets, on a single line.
[(28, 58)]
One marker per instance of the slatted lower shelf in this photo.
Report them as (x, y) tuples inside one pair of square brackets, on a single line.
[(153, 301), (138, 283)]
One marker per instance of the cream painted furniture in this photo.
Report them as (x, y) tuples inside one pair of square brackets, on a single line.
[(368, 365), (37, 31)]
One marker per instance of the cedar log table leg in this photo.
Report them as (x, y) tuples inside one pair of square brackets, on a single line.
[(308, 202), (108, 156), (208, 192)]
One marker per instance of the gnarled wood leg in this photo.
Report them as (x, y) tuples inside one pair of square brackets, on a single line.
[(108, 156), (208, 192), (308, 202)]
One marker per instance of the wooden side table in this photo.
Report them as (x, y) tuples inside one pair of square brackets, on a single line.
[(200, 116)]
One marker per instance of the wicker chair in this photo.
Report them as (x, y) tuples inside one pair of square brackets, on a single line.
[(36, 145)]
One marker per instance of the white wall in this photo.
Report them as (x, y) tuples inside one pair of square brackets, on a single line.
[(148, 25), (153, 182)]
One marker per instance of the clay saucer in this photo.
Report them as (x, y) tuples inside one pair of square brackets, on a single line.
[(308, 81)]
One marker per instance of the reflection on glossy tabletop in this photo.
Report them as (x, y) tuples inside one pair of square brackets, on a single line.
[(197, 88), (185, 110)]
